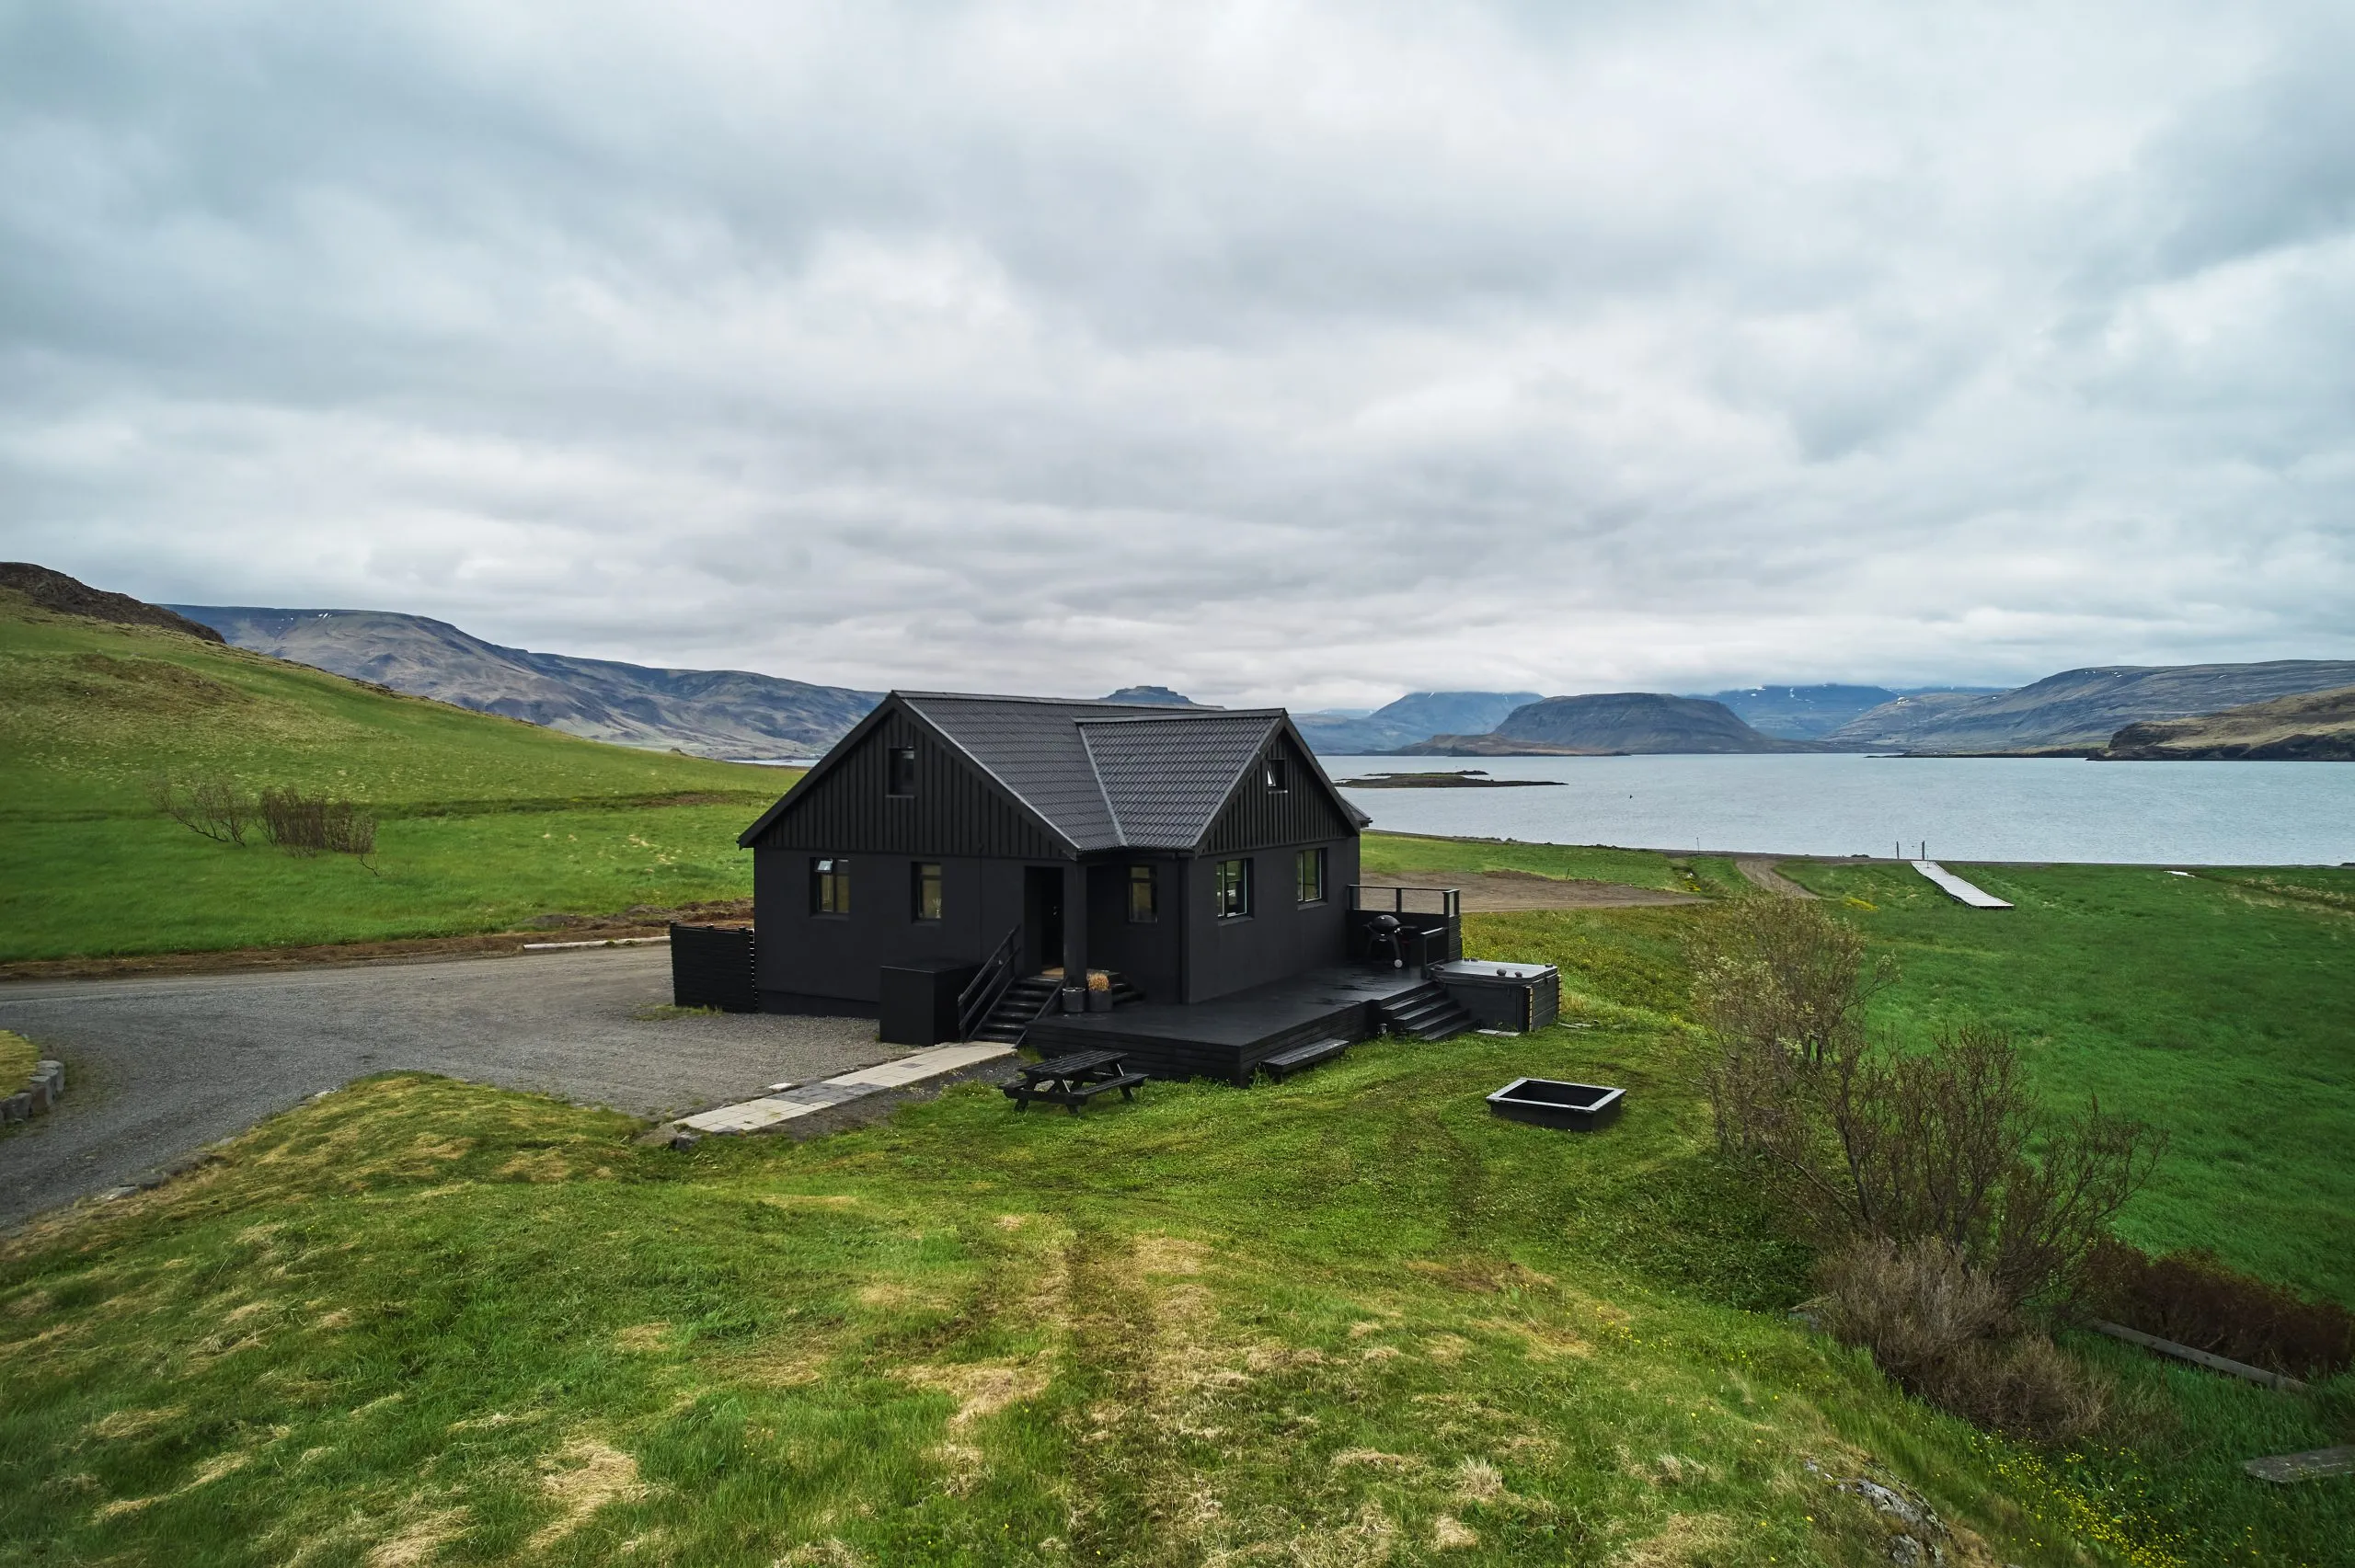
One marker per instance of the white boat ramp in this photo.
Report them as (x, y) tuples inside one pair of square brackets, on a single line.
[(1955, 887)]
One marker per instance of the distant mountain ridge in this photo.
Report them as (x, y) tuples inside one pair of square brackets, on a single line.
[(1416, 716), (2081, 709), (1811, 713), (705, 713), (1610, 724)]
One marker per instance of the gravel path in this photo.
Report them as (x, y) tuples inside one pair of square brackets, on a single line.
[(1502, 892), (1761, 874), (157, 1067)]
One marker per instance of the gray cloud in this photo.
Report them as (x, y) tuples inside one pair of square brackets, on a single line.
[(1303, 354)]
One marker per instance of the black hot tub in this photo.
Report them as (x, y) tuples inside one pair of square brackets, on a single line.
[(1549, 1102)]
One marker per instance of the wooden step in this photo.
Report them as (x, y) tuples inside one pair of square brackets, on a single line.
[(1283, 1064)]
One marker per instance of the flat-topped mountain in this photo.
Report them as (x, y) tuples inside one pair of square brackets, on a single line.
[(1608, 723), (1415, 716), (705, 713), (2317, 727), (2081, 709)]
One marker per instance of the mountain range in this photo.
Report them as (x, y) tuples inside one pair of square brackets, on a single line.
[(705, 713), (2079, 710), (1610, 724), (1416, 716)]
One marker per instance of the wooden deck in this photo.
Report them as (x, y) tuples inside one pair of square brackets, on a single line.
[(1230, 1036)]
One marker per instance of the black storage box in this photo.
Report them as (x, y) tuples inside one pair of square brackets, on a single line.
[(916, 1002), (711, 966), (1549, 1102)]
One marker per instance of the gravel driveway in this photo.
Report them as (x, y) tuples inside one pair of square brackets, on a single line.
[(157, 1067)]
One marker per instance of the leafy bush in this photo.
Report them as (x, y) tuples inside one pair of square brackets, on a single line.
[(2191, 1297), (1781, 973), (1940, 1327)]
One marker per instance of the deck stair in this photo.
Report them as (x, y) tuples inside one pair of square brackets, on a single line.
[(1426, 1012), (1025, 1000), (1283, 1064)]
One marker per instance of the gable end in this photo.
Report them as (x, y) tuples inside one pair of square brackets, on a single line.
[(1255, 816), (845, 804)]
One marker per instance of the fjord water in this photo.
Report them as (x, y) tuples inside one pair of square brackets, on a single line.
[(1999, 808)]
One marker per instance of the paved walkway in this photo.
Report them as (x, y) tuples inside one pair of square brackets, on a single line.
[(158, 1068)]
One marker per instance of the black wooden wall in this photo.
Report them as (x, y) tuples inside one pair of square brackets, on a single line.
[(1259, 817), (953, 812)]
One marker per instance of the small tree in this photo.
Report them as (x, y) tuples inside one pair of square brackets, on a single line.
[(1781, 972), (213, 806)]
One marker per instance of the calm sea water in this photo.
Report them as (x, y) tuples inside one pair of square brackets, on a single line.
[(1966, 808)]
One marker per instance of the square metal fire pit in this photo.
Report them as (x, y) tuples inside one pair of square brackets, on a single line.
[(1549, 1102)]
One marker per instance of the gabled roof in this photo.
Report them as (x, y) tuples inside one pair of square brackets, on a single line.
[(1098, 775)]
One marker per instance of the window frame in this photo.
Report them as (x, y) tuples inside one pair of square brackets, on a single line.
[(1142, 875), (1301, 863), (1275, 771), (1231, 898), (917, 878), (830, 886), (894, 759)]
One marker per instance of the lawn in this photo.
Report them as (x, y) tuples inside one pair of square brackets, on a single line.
[(1404, 854), (485, 821), (1349, 1319)]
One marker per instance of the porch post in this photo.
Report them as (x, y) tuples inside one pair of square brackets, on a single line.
[(1076, 937)]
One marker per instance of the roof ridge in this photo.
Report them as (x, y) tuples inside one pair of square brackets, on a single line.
[(1061, 702), (1087, 750)]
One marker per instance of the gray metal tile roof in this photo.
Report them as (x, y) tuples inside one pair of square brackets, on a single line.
[(1107, 775)]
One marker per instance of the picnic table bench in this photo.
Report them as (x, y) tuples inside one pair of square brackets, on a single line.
[(1072, 1080)]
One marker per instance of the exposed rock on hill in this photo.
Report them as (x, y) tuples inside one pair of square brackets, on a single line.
[(71, 596), (1411, 718), (1611, 723), (705, 713), (2318, 726), (2081, 709)]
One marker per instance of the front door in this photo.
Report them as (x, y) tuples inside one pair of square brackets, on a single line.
[(1042, 917)]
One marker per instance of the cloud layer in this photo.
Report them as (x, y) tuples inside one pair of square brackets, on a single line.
[(1302, 353)]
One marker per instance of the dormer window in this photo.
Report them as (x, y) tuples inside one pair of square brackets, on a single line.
[(1277, 770), (899, 777)]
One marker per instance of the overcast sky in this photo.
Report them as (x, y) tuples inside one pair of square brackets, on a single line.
[(1294, 353)]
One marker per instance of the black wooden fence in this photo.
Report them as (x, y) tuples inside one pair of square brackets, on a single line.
[(711, 966)]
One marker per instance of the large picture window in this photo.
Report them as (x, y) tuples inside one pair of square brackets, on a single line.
[(1144, 908), (901, 776), (829, 885), (1308, 877), (923, 888), (1233, 892)]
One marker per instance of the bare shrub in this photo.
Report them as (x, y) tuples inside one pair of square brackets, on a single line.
[(308, 825), (1781, 972), (213, 806), (1941, 1329), (2193, 1298)]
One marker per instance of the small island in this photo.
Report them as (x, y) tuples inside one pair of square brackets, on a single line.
[(1465, 778)]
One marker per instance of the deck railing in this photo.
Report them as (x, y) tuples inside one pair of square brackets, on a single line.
[(1395, 900), (980, 993)]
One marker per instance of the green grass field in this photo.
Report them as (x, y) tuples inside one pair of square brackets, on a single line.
[(485, 822), (1350, 1318)]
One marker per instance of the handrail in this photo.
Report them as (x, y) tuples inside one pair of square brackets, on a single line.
[(980, 993), (1451, 899)]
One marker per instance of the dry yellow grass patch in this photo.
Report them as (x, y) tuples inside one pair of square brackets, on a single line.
[(1446, 1349), (592, 1475), (809, 1200), (538, 1165), (1168, 1254), (133, 1423), (338, 1319), (240, 1314), (1451, 1534), (828, 1553), (981, 1388), (644, 1336), (1477, 1481), (1687, 1540), (1013, 1222), (1376, 1460), (419, 1541)]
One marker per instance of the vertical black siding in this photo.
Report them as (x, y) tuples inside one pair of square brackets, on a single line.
[(1256, 817), (955, 810)]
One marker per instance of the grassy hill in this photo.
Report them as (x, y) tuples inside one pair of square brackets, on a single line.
[(2318, 726), (485, 822)]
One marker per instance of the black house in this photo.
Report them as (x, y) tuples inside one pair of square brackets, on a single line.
[(1194, 851)]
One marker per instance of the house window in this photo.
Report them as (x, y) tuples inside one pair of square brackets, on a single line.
[(901, 779), (1279, 774), (829, 885), (923, 888), (1233, 891), (1142, 908), (1308, 877)]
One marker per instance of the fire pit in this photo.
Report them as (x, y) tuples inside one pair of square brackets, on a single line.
[(1549, 1102)]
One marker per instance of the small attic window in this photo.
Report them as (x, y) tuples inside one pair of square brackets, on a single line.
[(1277, 770), (901, 776)]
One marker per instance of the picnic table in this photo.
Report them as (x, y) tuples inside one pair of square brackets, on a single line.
[(1072, 1080)]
